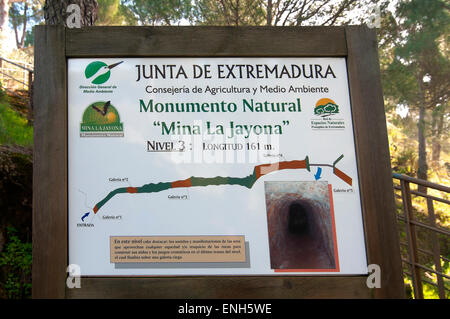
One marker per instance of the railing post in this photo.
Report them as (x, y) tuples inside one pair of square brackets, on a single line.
[(436, 248), (30, 94), (24, 77), (411, 223), (412, 239)]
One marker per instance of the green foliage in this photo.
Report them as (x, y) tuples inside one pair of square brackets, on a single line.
[(415, 67), (156, 12), (426, 22), (229, 12), (29, 38), (413, 51), (15, 265), (405, 162), (429, 291), (110, 13), (14, 128), (3, 95)]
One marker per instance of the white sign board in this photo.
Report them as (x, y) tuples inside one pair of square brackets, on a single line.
[(212, 166)]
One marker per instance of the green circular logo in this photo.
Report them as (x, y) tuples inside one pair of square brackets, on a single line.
[(99, 71), (101, 113)]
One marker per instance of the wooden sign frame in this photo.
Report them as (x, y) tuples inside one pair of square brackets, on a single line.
[(55, 44)]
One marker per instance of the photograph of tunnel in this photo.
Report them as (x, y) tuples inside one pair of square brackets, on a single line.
[(301, 229)]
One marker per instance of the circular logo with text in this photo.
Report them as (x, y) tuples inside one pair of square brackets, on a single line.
[(324, 116), (326, 107), (101, 119), (99, 72)]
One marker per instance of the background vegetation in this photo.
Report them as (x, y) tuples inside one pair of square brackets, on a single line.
[(413, 40)]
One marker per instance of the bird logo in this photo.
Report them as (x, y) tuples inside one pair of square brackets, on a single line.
[(111, 116), (99, 71), (101, 119), (104, 110), (101, 113)]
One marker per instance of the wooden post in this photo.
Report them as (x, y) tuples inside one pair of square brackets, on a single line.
[(377, 193), (30, 97), (412, 240), (436, 248), (50, 165)]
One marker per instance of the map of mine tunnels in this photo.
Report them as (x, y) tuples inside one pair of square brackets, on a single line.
[(248, 181)]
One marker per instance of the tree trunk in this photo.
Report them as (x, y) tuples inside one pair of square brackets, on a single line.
[(15, 23), (55, 11), (438, 125), (4, 21), (423, 167), (16, 31), (269, 12), (24, 30), (422, 170), (4, 13), (236, 14), (4, 17)]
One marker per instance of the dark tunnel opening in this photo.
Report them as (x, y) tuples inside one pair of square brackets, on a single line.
[(298, 219), (300, 231)]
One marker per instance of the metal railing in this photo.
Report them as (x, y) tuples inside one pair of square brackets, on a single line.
[(424, 254), (17, 73)]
